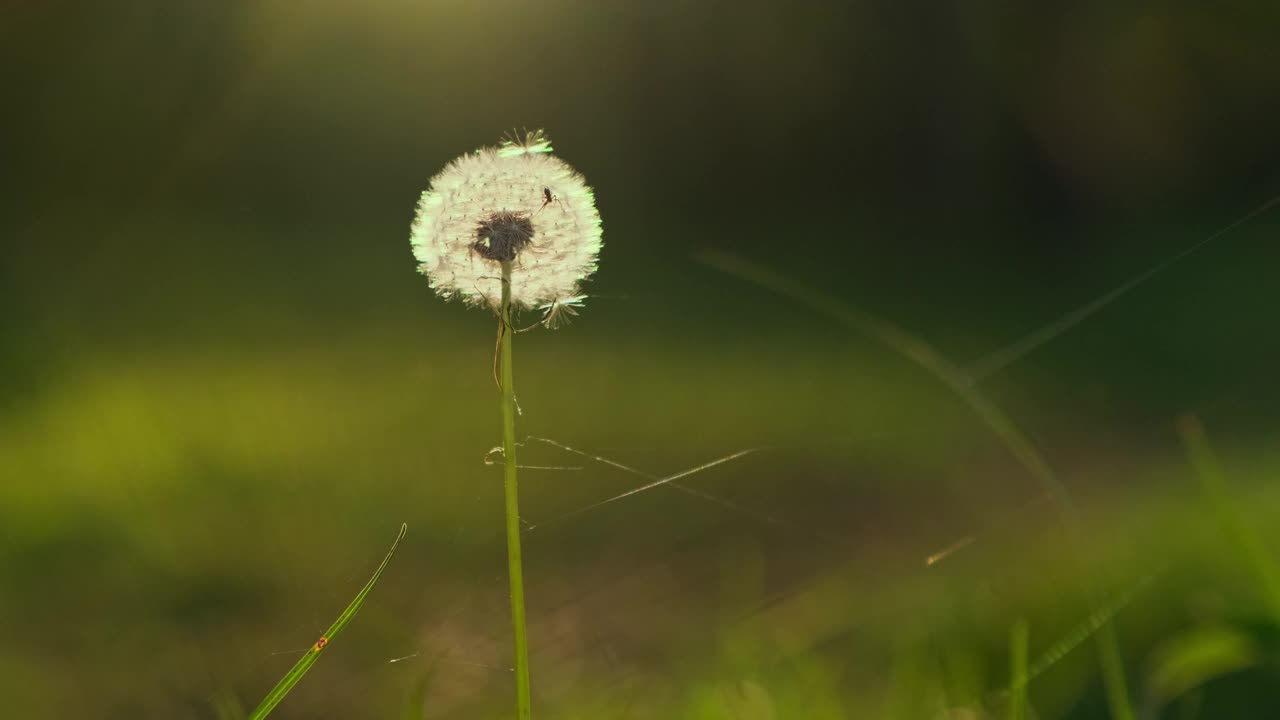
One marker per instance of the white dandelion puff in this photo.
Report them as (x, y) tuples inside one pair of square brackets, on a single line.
[(513, 203)]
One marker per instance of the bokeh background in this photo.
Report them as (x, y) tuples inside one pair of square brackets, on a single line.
[(223, 386)]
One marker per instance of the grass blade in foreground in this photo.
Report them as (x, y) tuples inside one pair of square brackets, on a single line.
[(291, 678), (1246, 539), (1018, 639)]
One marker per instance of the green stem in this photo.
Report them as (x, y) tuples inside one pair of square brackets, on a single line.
[(1246, 539), (1113, 678), (524, 706), (1018, 639)]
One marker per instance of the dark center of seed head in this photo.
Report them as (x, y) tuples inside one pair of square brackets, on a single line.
[(502, 236)]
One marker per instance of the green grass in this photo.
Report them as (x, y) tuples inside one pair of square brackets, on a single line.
[(916, 350), (620, 613), (134, 582), (309, 658)]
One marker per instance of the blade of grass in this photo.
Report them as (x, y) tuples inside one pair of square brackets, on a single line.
[(415, 703), (1113, 677), (1099, 618), (914, 349), (923, 354), (226, 706), (1018, 639), (295, 674), (1015, 351), (1245, 537)]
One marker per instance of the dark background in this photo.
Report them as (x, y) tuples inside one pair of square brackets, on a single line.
[(222, 384), (972, 160)]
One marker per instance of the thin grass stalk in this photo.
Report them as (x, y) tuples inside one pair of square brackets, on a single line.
[(1018, 641), (923, 354), (515, 571), (1113, 677), (1241, 533), (309, 658)]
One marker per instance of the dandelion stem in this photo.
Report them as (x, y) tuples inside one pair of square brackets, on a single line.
[(514, 569)]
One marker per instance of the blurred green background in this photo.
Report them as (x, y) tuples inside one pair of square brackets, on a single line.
[(223, 386)]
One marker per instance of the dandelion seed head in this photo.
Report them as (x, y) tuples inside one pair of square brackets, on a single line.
[(514, 203)]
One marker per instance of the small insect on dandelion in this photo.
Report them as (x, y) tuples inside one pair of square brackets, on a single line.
[(547, 199), (515, 203)]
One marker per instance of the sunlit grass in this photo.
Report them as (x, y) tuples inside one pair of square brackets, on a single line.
[(267, 444), (158, 480)]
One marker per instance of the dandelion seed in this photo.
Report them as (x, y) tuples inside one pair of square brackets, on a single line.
[(558, 312), (513, 203)]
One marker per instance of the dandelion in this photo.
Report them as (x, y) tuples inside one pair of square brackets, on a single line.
[(513, 228), (515, 203)]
